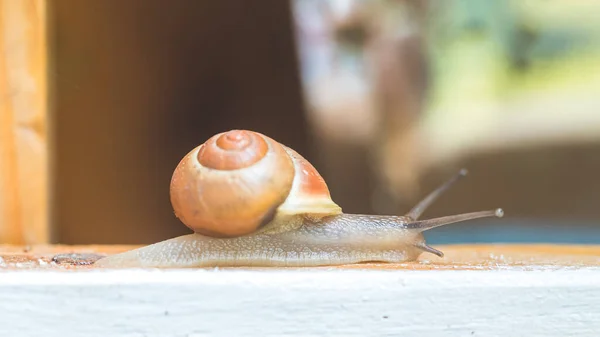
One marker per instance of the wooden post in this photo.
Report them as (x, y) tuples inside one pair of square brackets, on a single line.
[(24, 161)]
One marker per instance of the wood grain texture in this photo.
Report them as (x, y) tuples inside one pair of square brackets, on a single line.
[(23, 122)]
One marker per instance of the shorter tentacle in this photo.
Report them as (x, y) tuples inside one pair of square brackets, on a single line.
[(423, 246)]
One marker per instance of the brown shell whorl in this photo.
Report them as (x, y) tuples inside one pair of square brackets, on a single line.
[(232, 184), (232, 150)]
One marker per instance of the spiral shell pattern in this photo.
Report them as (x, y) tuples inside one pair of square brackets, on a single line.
[(237, 181)]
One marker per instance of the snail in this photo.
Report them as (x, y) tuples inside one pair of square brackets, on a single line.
[(252, 201)]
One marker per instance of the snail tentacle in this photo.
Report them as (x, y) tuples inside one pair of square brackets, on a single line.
[(424, 225), (420, 207), (426, 248)]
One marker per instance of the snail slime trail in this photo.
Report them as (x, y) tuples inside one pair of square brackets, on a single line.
[(252, 201)]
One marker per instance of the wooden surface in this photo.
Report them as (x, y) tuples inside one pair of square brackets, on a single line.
[(457, 257), (23, 122), (480, 291)]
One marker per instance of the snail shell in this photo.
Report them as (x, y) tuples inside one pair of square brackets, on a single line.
[(254, 202), (238, 181)]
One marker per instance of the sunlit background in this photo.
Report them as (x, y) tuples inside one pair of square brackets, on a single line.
[(387, 99)]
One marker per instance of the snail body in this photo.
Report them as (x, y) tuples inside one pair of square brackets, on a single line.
[(252, 201)]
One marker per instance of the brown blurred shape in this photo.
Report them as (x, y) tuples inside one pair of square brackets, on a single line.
[(140, 83)]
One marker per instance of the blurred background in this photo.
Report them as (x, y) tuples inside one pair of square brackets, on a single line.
[(387, 99)]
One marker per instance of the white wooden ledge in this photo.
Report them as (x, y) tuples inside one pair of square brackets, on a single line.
[(301, 303), (508, 299)]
